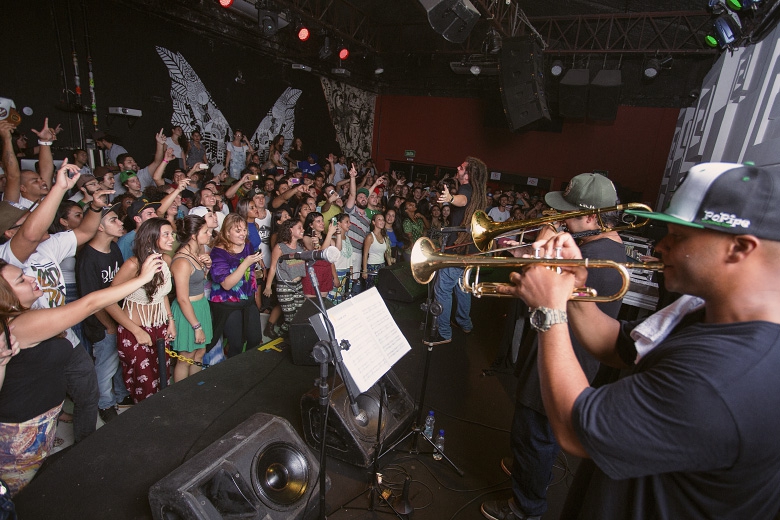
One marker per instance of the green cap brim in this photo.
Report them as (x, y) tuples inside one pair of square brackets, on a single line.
[(663, 217)]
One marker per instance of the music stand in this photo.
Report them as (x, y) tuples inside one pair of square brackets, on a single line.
[(330, 349)]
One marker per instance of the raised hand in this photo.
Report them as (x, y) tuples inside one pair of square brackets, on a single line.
[(151, 265), (64, 179), (46, 133), (100, 198), (160, 137)]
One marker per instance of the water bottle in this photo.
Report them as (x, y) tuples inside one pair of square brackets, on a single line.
[(429, 422), (439, 446)]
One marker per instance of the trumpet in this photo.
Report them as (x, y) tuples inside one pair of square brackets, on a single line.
[(484, 230), (425, 261)]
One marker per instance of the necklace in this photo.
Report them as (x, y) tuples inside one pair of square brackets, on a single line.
[(187, 253)]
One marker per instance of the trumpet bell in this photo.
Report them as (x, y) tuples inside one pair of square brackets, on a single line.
[(425, 261)]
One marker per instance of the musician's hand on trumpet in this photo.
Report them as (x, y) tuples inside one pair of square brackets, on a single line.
[(530, 284), (539, 286)]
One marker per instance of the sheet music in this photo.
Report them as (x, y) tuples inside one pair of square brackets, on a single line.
[(376, 342)]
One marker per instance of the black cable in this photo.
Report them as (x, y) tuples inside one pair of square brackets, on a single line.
[(468, 421)]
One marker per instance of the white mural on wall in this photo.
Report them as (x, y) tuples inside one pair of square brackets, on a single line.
[(195, 109)]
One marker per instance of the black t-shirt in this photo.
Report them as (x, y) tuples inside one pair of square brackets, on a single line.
[(692, 432), (605, 281), (456, 220), (35, 380), (95, 271)]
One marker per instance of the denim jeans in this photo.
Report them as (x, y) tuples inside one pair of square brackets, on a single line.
[(534, 450), (81, 382), (446, 284), (109, 373)]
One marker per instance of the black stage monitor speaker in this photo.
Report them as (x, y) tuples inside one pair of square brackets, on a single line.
[(573, 93), (522, 82), (397, 283), (453, 19), (259, 470), (347, 439), (604, 96), (302, 335)]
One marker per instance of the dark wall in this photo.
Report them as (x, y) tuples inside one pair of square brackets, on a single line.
[(129, 73)]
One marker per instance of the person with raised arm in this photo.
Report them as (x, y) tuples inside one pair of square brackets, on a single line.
[(34, 383)]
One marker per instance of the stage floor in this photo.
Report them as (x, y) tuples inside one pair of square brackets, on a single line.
[(109, 474)]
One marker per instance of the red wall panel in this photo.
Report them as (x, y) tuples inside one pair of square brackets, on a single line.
[(443, 131)]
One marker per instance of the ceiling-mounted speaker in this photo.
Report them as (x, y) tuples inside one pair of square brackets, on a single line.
[(604, 95), (573, 94), (453, 19), (521, 72), (261, 469)]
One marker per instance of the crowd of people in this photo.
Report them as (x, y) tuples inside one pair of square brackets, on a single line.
[(97, 266), (199, 251)]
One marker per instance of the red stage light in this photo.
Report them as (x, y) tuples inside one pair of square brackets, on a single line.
[(303, 33), (226, 3), (343, 53)]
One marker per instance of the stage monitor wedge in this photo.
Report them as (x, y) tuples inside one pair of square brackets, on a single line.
[(521, 74), (260, 469), (348, 439), (453, 19)]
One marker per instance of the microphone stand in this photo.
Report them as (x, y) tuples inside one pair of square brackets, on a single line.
[(432, 310), (324, 352)]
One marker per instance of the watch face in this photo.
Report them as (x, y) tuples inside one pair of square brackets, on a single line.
[(538, 318)]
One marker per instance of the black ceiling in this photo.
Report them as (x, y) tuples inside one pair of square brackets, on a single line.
[(416, 60)]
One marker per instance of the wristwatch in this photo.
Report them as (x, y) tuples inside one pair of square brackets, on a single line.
[(542, 318)]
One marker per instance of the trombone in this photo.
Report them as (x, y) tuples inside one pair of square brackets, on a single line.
[(484, 230), (426, 260)]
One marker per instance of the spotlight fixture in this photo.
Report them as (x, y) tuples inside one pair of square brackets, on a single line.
[(303, 32), (557, 68), (652, 67), (343, 52), (475, 69), (226, 3), (269, 22), (325, 50), (493, 42), (379, 67), (726, 30)]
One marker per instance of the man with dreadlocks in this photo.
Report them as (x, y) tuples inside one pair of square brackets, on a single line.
[(472, 179)]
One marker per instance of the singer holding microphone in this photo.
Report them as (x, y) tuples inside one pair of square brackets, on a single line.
[(233, 287), (287, 271)]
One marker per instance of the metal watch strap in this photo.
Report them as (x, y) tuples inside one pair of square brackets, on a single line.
[(551, 317)]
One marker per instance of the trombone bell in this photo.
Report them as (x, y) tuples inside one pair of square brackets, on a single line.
[(484, 230)]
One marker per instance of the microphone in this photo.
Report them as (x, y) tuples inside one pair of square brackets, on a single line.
[(360, 415), (331, 254)]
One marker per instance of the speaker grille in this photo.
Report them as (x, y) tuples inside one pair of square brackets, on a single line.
[(281, 474)]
